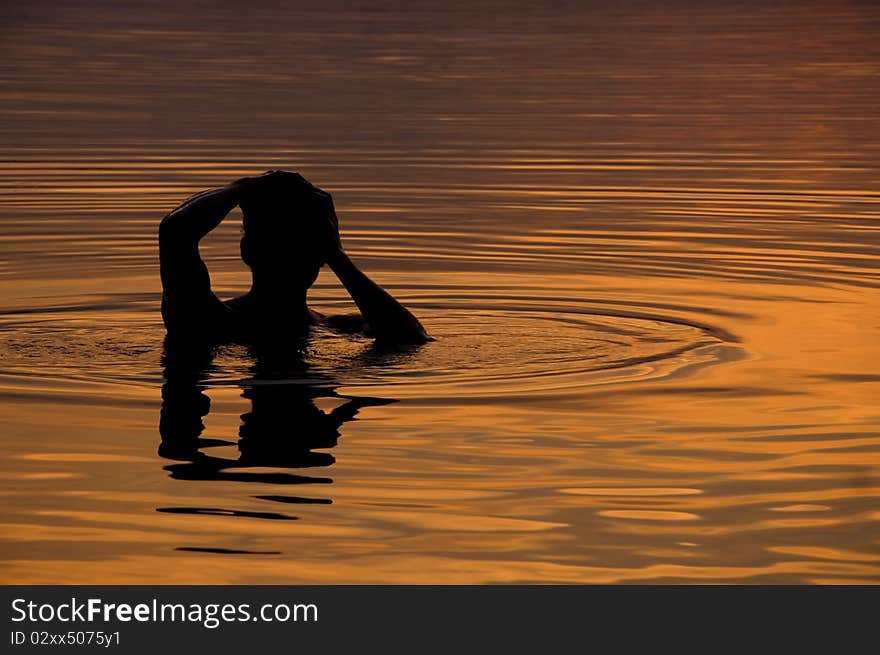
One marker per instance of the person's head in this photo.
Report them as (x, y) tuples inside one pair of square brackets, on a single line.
[(281, 233)]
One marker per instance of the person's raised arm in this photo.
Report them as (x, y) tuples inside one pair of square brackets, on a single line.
[(187, 298), (388, 321), (198, 215)]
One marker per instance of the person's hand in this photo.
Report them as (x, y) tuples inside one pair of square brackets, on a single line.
[(271, 179), (244, 182), (324, 213)]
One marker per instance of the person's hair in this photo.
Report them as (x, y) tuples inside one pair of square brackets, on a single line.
[(269, 199)]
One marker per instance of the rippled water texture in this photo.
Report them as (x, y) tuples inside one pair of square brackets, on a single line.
[(645, 239)]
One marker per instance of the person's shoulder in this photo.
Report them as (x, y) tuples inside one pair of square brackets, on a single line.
[(197, 317)]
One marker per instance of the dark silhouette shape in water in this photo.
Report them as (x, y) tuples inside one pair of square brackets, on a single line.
[(282, 429), (290, 230), (226, 551)]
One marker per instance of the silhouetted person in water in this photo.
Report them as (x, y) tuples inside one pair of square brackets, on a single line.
[(290, 230)]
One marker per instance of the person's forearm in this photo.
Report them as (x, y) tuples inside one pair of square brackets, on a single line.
[(370, 298), (386, 317), (201, 213)]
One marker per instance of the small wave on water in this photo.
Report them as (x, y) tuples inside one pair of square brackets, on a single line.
[(480, 351)]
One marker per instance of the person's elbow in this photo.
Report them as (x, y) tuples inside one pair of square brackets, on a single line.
[(172, 230), (407, 334), (167, 227)]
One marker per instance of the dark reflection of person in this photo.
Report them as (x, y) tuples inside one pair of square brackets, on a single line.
[(282, 430)]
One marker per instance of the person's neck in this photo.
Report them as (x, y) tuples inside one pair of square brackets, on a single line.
[(288, 305)]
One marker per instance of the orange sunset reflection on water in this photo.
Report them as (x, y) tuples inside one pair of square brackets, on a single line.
[(651, 273)]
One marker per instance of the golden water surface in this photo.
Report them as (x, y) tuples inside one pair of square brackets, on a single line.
[(646, 239)]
